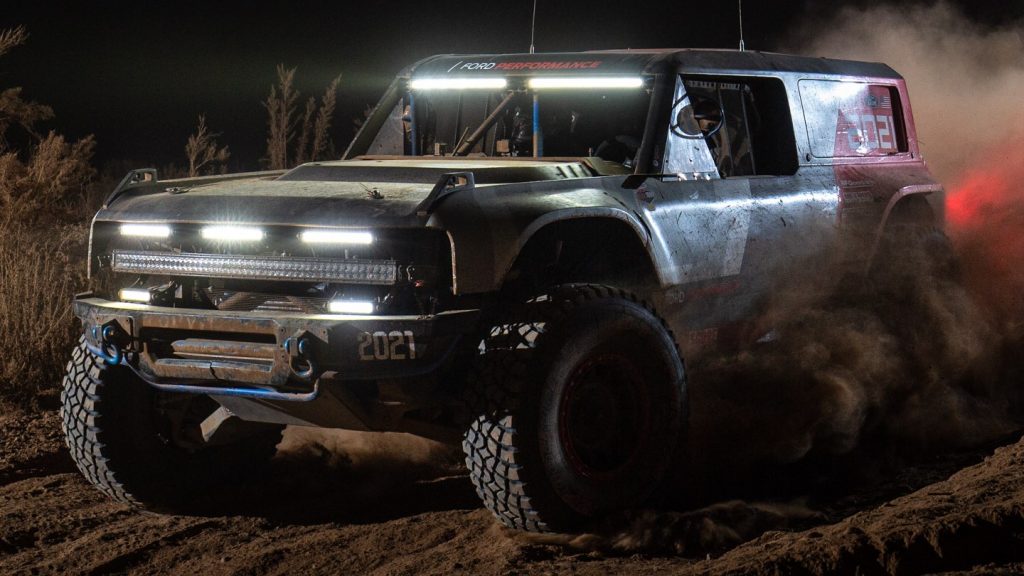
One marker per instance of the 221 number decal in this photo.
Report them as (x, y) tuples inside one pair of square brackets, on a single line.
[(394, 345)]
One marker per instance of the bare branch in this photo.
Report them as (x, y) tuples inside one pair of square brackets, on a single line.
[(202, 151), (307, 131), (12, 38), (23, 113), (321, 138), (281, 108), (313, 125)]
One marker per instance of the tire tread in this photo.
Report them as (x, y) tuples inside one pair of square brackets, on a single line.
[(493, 460)]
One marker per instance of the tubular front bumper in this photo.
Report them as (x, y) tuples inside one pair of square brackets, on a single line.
[(264, 354)]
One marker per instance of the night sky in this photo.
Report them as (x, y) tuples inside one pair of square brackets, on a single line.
[(137, 74)]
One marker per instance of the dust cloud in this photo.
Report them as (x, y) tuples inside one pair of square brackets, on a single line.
[(366, 453), (930, 365), (889, 373), (709, 530), (320, 475), (965, 79), (966, 83)]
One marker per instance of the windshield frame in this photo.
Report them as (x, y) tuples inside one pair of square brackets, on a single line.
[(400, 91)]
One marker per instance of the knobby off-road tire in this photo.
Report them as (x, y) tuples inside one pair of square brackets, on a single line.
[(581, 396), (118, 431)]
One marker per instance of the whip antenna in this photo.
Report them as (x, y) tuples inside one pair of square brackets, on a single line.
[(742, 45), (533, 24)]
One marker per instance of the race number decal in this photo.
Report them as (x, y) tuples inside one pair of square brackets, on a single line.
[(852, 119), (866, 126), (394, 345)]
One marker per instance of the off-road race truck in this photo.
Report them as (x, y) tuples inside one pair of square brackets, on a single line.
[(516, 252)]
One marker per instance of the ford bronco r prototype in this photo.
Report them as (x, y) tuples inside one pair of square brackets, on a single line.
[(516, 252)]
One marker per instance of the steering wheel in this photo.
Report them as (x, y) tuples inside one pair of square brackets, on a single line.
[(686, 124)]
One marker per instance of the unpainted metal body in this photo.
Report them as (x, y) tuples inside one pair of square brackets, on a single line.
[(709, 252)]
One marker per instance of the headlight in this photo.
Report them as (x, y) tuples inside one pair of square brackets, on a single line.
[(134, 294), (350, 307), (233, 233), (336, 237), (146, 230)]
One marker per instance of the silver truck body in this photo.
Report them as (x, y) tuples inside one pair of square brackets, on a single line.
[(832, 159)]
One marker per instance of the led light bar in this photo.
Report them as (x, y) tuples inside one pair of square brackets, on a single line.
[(134, 294), (350, 307), (233, 233), (586, 82), (336, 237), (146, 230), (256, 267), (457, 83)]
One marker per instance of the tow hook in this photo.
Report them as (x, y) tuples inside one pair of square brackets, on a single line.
[(106, 336), (300, 352)]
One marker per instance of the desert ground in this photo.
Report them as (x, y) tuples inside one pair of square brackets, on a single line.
[(342, 503)]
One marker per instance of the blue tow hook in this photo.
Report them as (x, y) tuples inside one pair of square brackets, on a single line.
[(299, 348), (106, 341)]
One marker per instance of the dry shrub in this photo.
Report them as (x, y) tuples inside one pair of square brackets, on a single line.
[(47, 192), (324, 117), (41, 268), (204, 156), (12, 38), (16, 111), (280, 109), (53, 183), (45, 178), (293, 137)]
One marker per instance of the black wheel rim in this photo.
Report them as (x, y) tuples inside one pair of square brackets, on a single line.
[(604, 416)]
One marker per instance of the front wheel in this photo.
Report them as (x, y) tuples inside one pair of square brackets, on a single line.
[(146, 448), (583, 400)]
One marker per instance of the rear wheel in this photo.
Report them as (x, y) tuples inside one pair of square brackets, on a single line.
[(910, 254), (583, 404), (147, 448)]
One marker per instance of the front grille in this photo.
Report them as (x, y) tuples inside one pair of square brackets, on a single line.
[(260, 302), (380, 272)]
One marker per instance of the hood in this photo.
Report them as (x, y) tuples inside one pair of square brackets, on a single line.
[(357, 192)]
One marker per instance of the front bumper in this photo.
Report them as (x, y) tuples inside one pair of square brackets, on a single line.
[(264, 354)]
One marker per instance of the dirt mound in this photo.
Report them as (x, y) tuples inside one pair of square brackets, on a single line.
[(331, 511), (973, 518)]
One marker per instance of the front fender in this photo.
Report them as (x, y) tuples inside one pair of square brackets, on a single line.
[(489, 225)]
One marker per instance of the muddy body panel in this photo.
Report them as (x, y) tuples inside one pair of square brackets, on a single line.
[(353, 293)]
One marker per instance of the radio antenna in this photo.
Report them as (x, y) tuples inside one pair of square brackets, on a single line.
[(533, 24), (742, 45)]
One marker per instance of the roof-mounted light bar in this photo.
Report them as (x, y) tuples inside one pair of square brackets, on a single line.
[(146, 230), (233, 233), (458, 83), (336, 237), (544, 82)]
